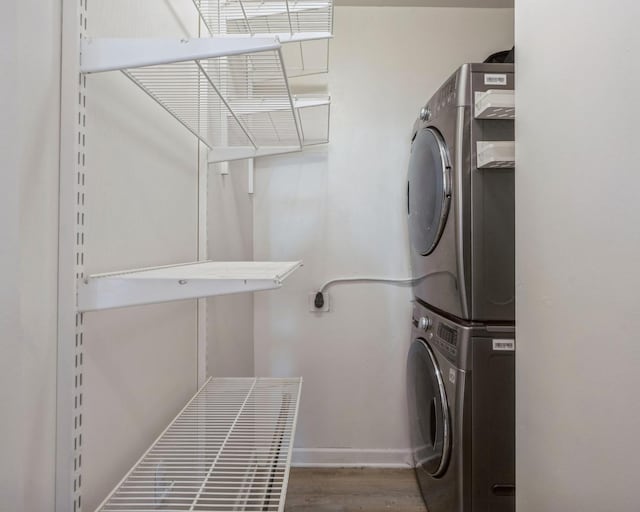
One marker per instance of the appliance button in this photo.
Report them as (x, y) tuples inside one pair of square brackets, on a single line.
[(425, 113), (424, 323)]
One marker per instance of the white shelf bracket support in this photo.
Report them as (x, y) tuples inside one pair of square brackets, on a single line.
[(203, 250), (250, 175)]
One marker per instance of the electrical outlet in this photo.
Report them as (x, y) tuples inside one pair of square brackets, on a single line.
[(312, 305)]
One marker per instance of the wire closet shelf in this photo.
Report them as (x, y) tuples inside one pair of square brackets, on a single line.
[(212, 86), (289, 19), (308, 23), (228, 449)]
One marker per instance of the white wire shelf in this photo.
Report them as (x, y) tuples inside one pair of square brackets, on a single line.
[(309, 23), (313, 114), (229, 449), (198, 80), (496, 154), (310, 19), (179, 282), (495, 104)]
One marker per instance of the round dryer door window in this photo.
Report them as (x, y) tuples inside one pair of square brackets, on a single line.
[(429, 190), (430, 429)]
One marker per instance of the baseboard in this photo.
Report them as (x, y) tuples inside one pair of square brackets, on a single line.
[(351, 458)]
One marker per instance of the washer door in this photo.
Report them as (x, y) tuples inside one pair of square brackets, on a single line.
[(429, 190), (430, 424)]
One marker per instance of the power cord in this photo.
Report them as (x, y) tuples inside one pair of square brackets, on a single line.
[(318, 300)]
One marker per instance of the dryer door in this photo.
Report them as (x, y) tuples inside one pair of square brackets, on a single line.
[(429, 190), (430, 424)]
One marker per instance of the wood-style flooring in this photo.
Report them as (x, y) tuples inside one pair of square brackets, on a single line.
[(351, 490)]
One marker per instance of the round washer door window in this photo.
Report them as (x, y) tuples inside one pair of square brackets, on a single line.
[(431, 429), (429, 192)]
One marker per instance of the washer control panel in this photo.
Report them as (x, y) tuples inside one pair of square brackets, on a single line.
[(447, 339), (444, 336)]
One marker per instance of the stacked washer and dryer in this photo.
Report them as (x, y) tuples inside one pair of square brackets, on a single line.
[(461, 365)]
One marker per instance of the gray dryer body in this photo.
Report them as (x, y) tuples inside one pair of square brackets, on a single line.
[(461, 218)]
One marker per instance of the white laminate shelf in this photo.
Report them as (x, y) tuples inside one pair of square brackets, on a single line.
[(209, 86), (229, 449), (496, 104), (496, 154), (179, 282)]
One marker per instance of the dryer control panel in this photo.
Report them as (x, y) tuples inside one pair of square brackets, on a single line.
[(443, 98)]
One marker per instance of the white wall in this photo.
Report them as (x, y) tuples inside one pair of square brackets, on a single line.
[(341, 209), (578, 248), (230, 238), (29, 132), (142, 210)]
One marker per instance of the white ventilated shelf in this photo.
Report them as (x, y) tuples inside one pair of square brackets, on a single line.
[(304, 19), (495, 104), (496, 154), (313, 114), (307, 23), (209, 85), (266, 105), (229, 449), (179, 282)]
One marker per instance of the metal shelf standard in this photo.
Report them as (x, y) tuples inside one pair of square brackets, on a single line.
[(228, 449)]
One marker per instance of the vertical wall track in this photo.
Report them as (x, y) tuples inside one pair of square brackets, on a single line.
[(72, 232)]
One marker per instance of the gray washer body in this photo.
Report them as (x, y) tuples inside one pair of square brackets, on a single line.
[(461, 397), (462, 219)]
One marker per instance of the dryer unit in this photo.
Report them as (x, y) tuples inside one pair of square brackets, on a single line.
[(461, 396), (461, 196)]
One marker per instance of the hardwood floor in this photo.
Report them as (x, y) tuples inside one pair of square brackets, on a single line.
[(351, 490)]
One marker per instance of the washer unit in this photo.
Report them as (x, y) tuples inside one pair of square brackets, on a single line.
[(461, 218), (461, 397)]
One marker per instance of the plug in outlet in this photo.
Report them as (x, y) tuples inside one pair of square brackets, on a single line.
[(317, 299)]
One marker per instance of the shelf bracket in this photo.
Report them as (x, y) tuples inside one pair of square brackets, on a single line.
[(250, 175)]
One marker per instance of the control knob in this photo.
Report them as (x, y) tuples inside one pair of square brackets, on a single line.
[(424, 323), (425, 113)]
